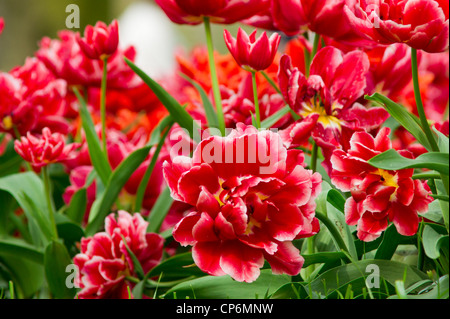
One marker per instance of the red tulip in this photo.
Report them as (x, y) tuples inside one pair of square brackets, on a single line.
[(44, 150), (324, 17), (421, 24), (219, 11), (251, 53), (378, 196), (327, 100), (251, 197), (2, 24), (31, 98), (104, 261), (100, 41)]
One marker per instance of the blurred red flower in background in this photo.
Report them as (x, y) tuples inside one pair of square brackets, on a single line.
[(421, 24)]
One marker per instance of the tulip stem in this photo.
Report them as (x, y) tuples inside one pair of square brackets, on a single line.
[(48, 197), (255, 96), (314, 154), (333, 231), (103, 103), (420, 108), (214, 77)]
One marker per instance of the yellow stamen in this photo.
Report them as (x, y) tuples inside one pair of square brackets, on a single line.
[(7, 123)]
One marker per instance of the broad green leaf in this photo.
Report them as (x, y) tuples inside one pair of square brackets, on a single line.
[(98, 157), (69, 231), (176, 267), (392, 160), (28, 276), (338, 219), (434, 213), (56, 260), (324, 257), (159, 211), (77, 206), (28, 190), (210, 112), (10, 161), (391, 240), (18, 248), (409, 121), (115, 184), (356, 273), (293, 290), (225, 287), (179, 114), (437, 290), (443, 141), (433, 241), (336, 199)]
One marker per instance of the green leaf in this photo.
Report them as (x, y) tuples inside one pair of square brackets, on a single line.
[(390, 242), (115, 184), (77, 206), (10, 161), (293, 290), (176, 267), (225, 287), (136, 264), (159, 129), (336, 199), (70, 232), (56, 260), (274, 118), (179, 114), (210, 112), (159, 211), (392, 160), (437, 290), (323, 258), (433, 241), (28, 191), (356, 273), (98, 157), (409, 121), (443, 141), (148, 173), (28, 276), (18, 248)]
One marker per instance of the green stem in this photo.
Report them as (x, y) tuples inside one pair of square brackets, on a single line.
[(420, 249), (255, 96), (315, 46), (314, 154), (103, 103), (333, 231), (420, 108), (310, 56), (48, 197), (214, 77)]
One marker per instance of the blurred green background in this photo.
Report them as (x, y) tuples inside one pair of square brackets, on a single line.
[(27, 21)]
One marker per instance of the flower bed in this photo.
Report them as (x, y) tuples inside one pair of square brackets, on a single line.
[(309, 162)]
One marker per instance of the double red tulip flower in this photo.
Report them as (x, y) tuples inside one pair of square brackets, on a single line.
[(44, 150), (219, 11), (421, 24), (251, 53), (100, 40)]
